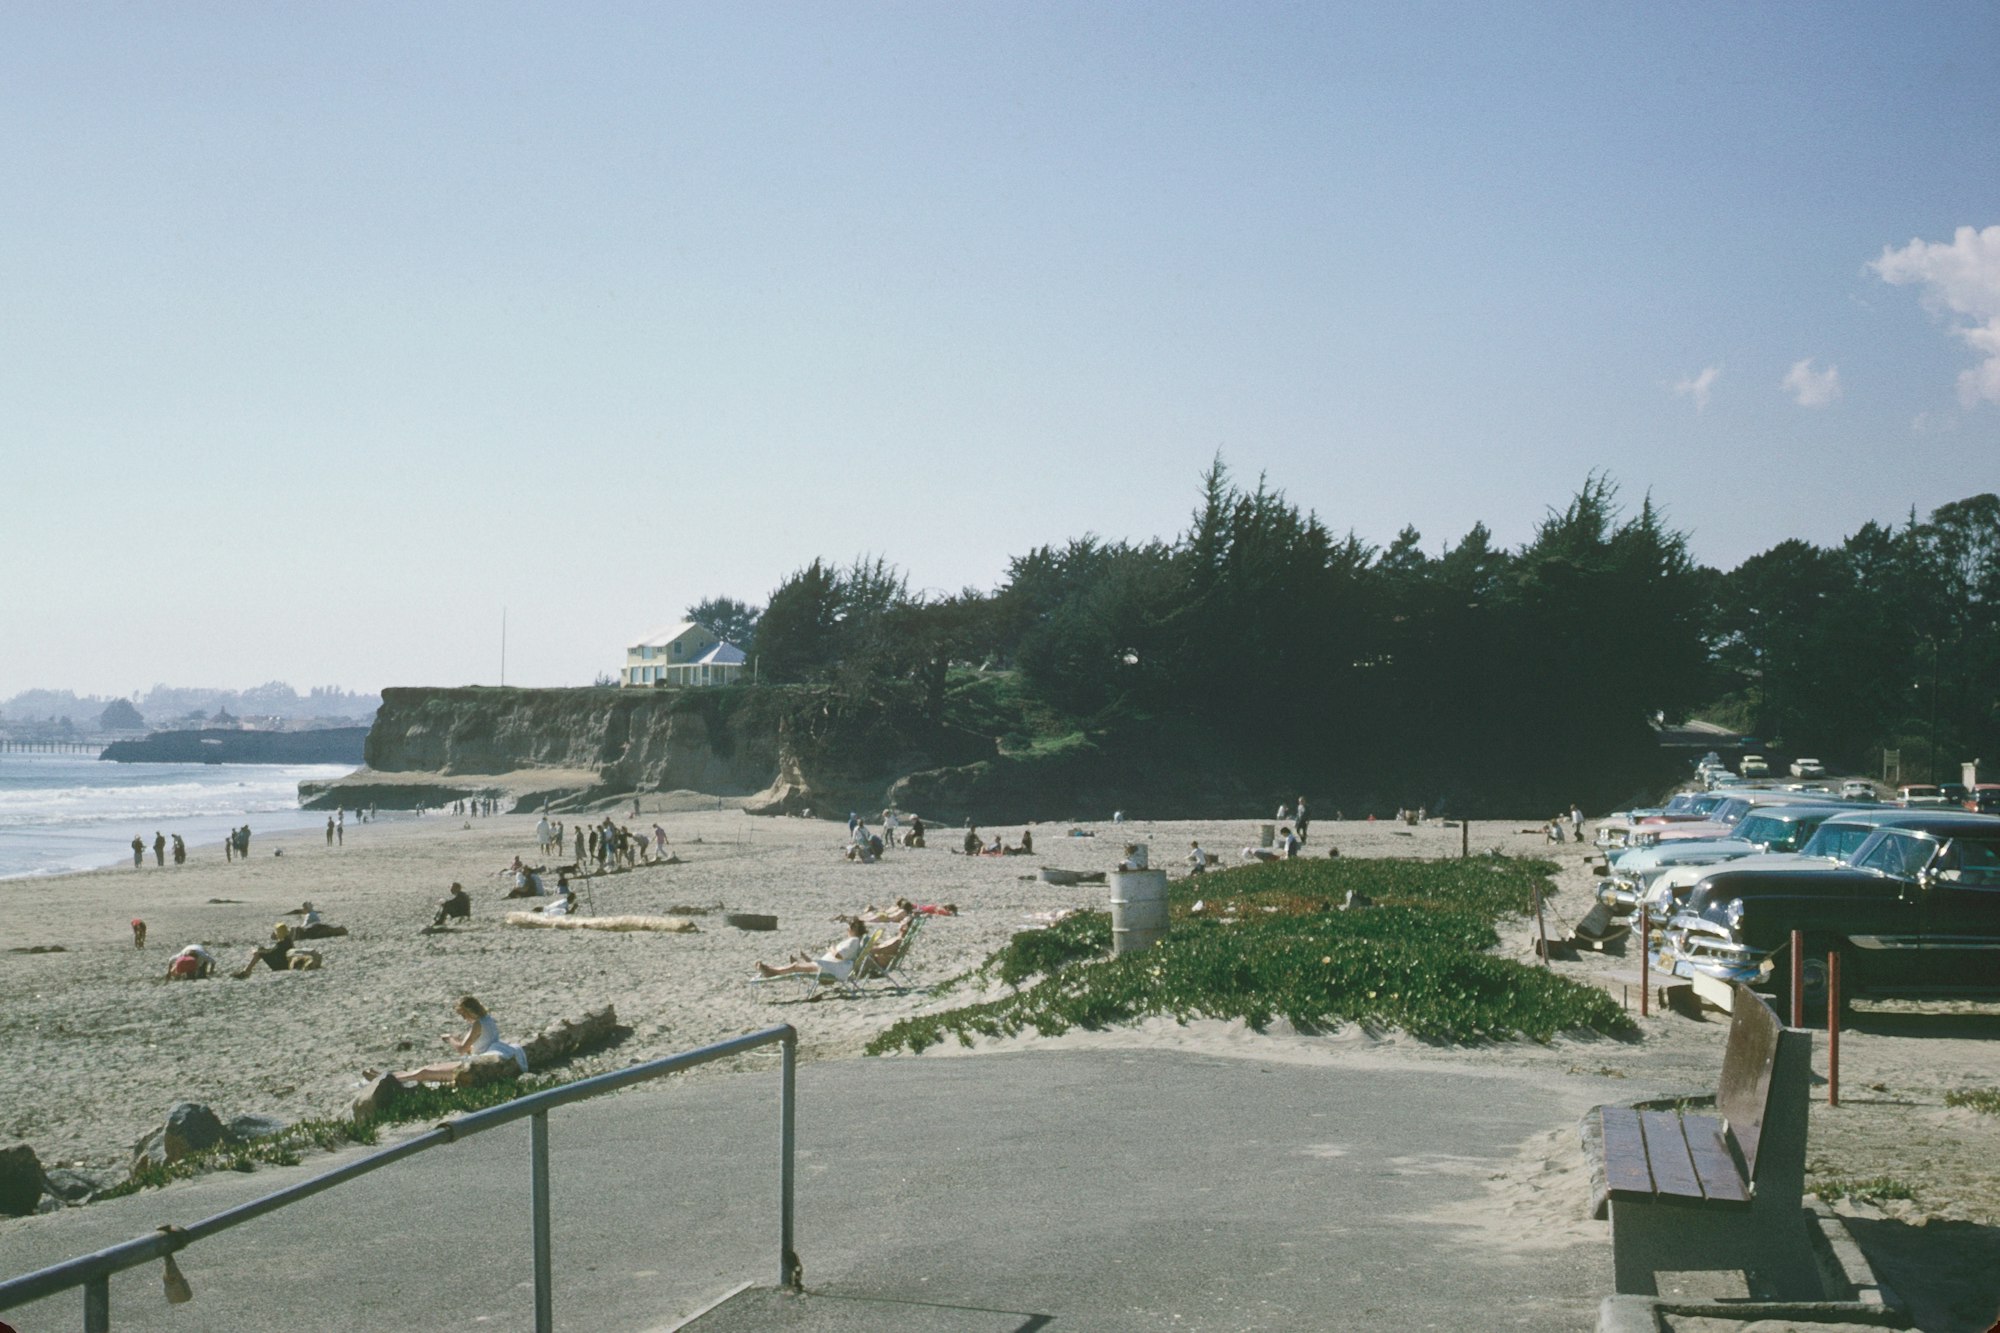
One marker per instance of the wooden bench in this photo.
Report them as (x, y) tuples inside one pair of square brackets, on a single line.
[(1720, 1192)]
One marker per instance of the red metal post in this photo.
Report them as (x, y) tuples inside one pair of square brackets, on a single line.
[(1798, 979), (1833, 1029), (1645, 959)]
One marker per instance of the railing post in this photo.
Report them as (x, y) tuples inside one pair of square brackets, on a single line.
[(1833, 1028), (97, 1304), (538, 1202), (790, 1275)]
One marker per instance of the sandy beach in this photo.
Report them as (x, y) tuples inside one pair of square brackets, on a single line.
[(100, 1045)]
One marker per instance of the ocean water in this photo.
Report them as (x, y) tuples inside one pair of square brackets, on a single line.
[(62, 812)]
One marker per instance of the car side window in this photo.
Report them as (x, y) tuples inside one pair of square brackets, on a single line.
[(1897, 854), (1973, 864)]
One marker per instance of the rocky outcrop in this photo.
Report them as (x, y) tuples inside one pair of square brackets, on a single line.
[(21, 1180), (192, 1128)]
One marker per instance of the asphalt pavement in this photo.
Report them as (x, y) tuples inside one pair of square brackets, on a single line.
[(1088, 1190)]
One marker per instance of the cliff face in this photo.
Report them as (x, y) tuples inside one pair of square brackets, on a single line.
[(791, 747), (634, 739)]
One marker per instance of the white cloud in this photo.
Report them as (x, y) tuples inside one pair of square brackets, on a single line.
[(1812, 388), (1696, 386), (1961, 277)]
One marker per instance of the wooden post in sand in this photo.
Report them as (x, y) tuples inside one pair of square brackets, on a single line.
[(1798, 980), (1541, 929), (1645, 959), (1464, 837), (1833, 1028)]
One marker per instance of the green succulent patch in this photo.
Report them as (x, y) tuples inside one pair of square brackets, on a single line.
[(1269, 941), (1978, 1099)]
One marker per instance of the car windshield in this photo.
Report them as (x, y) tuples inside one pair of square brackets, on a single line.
[(1780, 835), (1974, 862), (1837, 842), (1895, 852), (1730, 810)]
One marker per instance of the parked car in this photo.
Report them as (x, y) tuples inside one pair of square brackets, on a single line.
[(1805, 767), (1768, 828), (1984, 798), (1753, 766), (1916, 913), (1954, 793), (1834, 842), (1918, 796), (1857, 789)]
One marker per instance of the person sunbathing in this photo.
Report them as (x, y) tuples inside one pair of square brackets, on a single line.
[(276, 955), (837, 962), (893, 915), (481, 1035)]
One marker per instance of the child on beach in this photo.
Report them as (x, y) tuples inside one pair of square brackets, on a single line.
[(276, 955), (193, 963)]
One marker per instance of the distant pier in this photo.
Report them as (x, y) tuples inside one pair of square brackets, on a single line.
[(92, 748)]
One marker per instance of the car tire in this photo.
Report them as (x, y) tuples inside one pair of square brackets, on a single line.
[(1815, 979)]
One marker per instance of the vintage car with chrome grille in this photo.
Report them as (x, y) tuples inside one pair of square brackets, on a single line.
[(1916, 912)]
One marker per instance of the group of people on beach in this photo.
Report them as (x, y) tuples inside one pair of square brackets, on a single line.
[(975, 846), (159, 850)]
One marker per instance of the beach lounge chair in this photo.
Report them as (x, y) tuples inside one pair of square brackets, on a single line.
[(848, 984), (889, 967)]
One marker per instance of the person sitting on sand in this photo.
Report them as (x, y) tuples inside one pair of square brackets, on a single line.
[(193, 963), (458, 906), (1288, 841), (1027, 842), (893, 915), (915, 837), (1259, 854), (837, 962), (995, 848), (482, 1035), (277, 955), (1135, 857), (971, 843), (563, 906)]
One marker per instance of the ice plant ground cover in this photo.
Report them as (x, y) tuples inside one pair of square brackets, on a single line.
[(1270, 941)]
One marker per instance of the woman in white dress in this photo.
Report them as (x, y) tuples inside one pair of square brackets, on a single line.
[(481, 1035)]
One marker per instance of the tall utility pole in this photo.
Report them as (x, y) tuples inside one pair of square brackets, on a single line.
[(503, 645)]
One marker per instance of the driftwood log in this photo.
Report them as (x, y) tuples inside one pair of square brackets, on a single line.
[(561, 1040)]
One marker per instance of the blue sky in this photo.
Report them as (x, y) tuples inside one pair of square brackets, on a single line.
[(328, 333)]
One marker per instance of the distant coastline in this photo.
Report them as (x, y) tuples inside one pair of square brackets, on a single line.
[(332, 745)]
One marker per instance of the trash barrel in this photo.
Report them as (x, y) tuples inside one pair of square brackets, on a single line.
[(1267, 835), (1138, 909)]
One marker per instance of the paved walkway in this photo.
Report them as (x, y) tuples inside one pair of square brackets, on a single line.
[(1113, 1190)]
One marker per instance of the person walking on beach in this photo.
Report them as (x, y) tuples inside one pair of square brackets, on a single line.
[(159, 847), (339, 827), (229, 847), (1299, 818), (542, 833), (579, 845), (180, 851), (243, 842), (139, 851), (329, 830)]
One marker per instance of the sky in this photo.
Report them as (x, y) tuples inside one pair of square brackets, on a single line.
[(333, 337)]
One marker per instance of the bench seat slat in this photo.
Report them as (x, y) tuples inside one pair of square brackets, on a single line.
[(1667, 1152), (1713, 1162), (1625, 1169)]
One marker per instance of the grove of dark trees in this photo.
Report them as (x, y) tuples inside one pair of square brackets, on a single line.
[(1473, 678)]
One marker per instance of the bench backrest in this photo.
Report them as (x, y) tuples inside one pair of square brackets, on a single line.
[(1744, 1093)]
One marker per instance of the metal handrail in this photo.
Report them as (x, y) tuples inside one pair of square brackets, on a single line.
[(93, 1272)]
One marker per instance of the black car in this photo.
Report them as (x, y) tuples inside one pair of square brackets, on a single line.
[(1915, 912)]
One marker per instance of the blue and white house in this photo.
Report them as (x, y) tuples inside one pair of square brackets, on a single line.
[(683, 654)]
